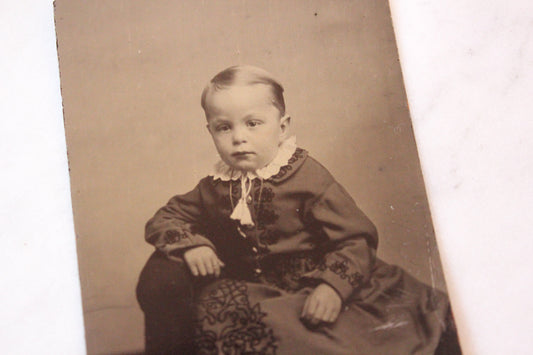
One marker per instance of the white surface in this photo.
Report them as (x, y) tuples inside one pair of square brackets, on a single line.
[(468, 68), (40, 309)]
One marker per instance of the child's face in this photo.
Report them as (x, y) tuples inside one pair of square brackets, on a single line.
[(246, 127)]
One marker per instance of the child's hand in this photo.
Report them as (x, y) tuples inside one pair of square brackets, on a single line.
[(322, 305), (203, 261)]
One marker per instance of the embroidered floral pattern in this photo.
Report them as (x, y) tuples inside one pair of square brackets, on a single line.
[(282, 172), (269, 237), (228, 202), (286, 272), (172, 236), (265, 193), (261, 197), (341, 268), (228, 324), (266, 216), (299, 153)]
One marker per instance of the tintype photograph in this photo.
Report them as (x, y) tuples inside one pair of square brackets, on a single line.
[(245, 180)]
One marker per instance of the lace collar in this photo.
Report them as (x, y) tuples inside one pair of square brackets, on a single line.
[(286, 150)]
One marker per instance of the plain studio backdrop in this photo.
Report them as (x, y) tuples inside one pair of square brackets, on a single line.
[(131, 77)]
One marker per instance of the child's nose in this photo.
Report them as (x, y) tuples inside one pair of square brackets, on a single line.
[(239, 135)]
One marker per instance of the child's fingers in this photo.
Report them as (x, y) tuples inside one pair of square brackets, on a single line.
[(305, 308), (201, 268), (328, 315), (193, 268), (318, 315), (334, 315), (208, 264), (216, 267), (311, 308)]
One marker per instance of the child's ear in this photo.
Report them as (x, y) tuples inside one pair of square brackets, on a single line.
[(285, 124)]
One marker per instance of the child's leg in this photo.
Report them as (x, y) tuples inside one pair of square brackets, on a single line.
[(165, 294)]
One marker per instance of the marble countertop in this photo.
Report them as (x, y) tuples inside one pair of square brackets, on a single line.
[(468, 68)]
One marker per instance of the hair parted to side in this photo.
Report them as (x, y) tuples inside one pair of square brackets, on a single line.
[(245, 75)]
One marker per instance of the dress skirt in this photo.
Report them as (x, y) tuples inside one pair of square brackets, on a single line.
[(392, 313)]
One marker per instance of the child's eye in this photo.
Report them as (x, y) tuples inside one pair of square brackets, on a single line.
[(223, 128), (253, 123)]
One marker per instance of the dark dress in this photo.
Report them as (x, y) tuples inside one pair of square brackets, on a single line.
[(307, 230)]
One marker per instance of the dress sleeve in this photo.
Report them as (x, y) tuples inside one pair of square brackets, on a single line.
[(351, 241), (177, 226)]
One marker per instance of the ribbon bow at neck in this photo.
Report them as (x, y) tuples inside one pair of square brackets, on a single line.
[(241, 212)]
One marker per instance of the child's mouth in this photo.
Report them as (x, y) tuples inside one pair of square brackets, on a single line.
[(242, 154)]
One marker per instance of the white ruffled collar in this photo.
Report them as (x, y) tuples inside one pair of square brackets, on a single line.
[(286, 150)]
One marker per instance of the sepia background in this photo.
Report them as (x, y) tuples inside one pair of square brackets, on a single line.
[(131, 77)]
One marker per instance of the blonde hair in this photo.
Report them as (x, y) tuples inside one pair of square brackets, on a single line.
[(245, 75)]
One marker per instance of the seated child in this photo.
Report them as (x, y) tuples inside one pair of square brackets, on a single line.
[(270, 255)]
